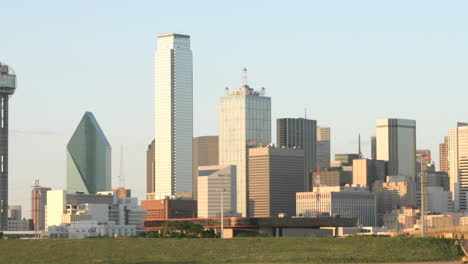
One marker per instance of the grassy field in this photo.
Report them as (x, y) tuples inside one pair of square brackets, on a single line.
[(238, 250)]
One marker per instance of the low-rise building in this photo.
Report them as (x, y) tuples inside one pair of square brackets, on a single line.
[(170, 208)]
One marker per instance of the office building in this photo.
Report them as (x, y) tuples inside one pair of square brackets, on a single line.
[(458, 165), (396, 143), (215, 182), (38, 203), (393, 195), (367, 171), (275, 175), (7, 89), (88, 158), (122, 192), (150, 176), (332, 177), (346, 202), (14, 212), (323, 147), (170, 208), (373, 147), (346, 159), (244, 121), (205, 153), (173, 115), (299, 133), (443, 155), (400, 219)]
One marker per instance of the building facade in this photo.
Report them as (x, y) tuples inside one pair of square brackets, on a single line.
[(170, 208), (346, 201), (373, 141), (443, 155), (205, 153), (299, 133), (7, 89), (173, 115), (367, 171), (393, 195), (38, 204), (214, 182), (88, 158), (396, 143), (332, 177), (244, 121), (275, 175), (323, 147), (150, 173)]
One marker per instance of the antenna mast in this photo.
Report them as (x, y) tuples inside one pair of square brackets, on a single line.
[(121, 175), (359, 147), (244, 77)]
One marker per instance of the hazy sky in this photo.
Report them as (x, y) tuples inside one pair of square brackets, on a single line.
[(347, 62)]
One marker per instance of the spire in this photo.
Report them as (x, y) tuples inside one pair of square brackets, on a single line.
[(244, 77)]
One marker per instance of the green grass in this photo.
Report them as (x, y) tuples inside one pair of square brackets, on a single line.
[(238, 250)]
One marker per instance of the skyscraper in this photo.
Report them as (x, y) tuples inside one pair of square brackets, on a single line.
[(88, 158), (443, 155), (205, 153), (7, 88), (173, 115), (244, 121), (396, 143), (458, 165), (301, 133), (150, 168), (373, 141), (38, 203), (323, 147)]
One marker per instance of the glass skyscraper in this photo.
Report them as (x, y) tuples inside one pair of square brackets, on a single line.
[(244, 121), (88, 158), (173, 115)]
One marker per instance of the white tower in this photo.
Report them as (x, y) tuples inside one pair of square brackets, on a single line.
[(173, 115)]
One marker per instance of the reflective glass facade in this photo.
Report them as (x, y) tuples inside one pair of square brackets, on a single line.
[(88, 158)]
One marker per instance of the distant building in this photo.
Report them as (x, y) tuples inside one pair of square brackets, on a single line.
[(374, 147), (343, 201), (205, 153), (170, 208), (275, 175), (38, 204), (438, 178), (443, 155), (457, 168), (20, 225), (393, 195), (14, 212), (122, 192), (323, 147), (299, 133), (396, 143), (333, 177), (150, 174), (398, 220), (366, 172), (88, 158), (346, 159), (244, 121), (214, 181)]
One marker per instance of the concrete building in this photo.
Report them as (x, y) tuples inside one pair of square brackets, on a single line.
[(346, 159), (88, 158), (438, 178), (20, 225), (122, 192), (299, 133), (173, 115), (458, 165), (374, 147), (38, 204), (439, 200), (443, 155), (401, 219), (150, 173), (14, 212), (323, 147), (396, 143), (214, 182), (205, 153), (244, 121), (393, 195), (7, 89), (332, 177), (170, 208), (350, 202), (275, 175), (366, 172)]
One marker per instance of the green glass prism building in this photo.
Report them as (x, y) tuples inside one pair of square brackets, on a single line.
[(88, 158)]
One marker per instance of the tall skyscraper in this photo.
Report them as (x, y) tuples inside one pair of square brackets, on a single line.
[(323, 147), (7, 88), (443, 155), (150, 176), (458, 165), (396, 143), (205, 153), (38, 203), (88, 158), (244, 121), (373, 141), (301, 133), (173, 115)]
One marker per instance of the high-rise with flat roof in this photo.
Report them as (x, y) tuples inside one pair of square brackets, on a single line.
[(299, 133), (458, 165), (443, 155), (323, 147), (373, 147), (173, 115), (88, 158), (7, 89), (244, 121), (150, 176), (396, 143), (205, 153), (38, 203)]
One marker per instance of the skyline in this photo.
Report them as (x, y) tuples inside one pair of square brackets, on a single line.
[(317, 65)]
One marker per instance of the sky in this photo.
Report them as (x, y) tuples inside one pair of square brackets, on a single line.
[(346, 63)]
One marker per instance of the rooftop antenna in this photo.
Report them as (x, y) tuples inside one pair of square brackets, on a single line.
[(359, 147), (36, 183), (121, 175), (244, 77)]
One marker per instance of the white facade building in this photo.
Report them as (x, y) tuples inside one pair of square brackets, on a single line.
[(244, 121), (173, 115), (211, 181), (396, 143), (457, 160), (337, 200), (56, 206)]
